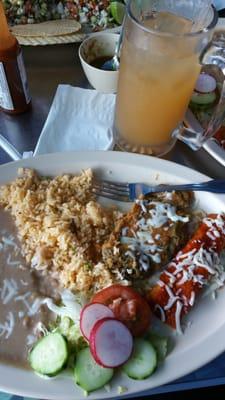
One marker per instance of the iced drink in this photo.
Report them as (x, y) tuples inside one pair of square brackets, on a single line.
[(157, 77)]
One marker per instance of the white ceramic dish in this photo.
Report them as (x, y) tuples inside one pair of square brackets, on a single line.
[(99, 45), (202, 341)]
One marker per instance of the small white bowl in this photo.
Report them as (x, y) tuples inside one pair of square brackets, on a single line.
[(95, 46)]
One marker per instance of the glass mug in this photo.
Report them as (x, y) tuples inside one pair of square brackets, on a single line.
[(163, 45)]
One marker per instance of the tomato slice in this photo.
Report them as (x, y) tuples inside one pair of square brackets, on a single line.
[(128, 306)]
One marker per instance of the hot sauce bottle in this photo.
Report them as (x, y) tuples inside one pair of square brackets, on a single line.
[(14, 91)]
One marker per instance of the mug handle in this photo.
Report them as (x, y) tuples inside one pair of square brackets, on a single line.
[(193, 136)]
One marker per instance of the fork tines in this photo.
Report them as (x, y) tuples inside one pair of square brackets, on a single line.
[(112, 190)]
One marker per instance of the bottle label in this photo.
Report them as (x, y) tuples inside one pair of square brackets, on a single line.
[(23, 76), (5, 96)]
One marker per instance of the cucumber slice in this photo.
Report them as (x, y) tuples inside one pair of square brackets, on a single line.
[(160, 343), (88, 374), (49, 354), (203, 98), (143, 361)]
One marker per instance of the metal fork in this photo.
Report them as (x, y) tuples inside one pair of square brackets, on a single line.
[(131, 191)]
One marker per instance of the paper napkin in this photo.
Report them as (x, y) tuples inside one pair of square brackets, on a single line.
[(79, 119)]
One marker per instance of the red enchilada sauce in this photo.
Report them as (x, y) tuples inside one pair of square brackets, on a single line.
[(14, 92)]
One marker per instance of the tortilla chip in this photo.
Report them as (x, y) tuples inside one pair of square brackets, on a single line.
[(49, 28)]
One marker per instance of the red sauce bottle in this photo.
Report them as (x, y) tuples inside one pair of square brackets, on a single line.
[(14, 91)]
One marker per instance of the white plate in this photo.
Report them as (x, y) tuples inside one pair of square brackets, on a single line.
[(201, 342)]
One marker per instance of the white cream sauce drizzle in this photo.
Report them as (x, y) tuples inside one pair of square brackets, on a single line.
[(31, 307), (125, 231), (144, 262), (12, 262), (161, 213), (142, 241), (8, 291), (6, 328), (169, 195), (17, 320), (142, 204), (8, 241), (130, 254)]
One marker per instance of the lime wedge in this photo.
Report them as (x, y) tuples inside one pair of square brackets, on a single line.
[(117, 10)]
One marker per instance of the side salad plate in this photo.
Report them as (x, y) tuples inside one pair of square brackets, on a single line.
[(40, 206), (62, 22)]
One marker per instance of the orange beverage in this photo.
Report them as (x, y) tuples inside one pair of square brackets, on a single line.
[(158, 70), (153, 95)]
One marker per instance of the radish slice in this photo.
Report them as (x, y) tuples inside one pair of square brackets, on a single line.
[(111, 343), (205, 83), (92, 313)]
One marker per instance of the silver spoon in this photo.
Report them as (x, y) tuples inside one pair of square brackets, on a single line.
[(114, 63)]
